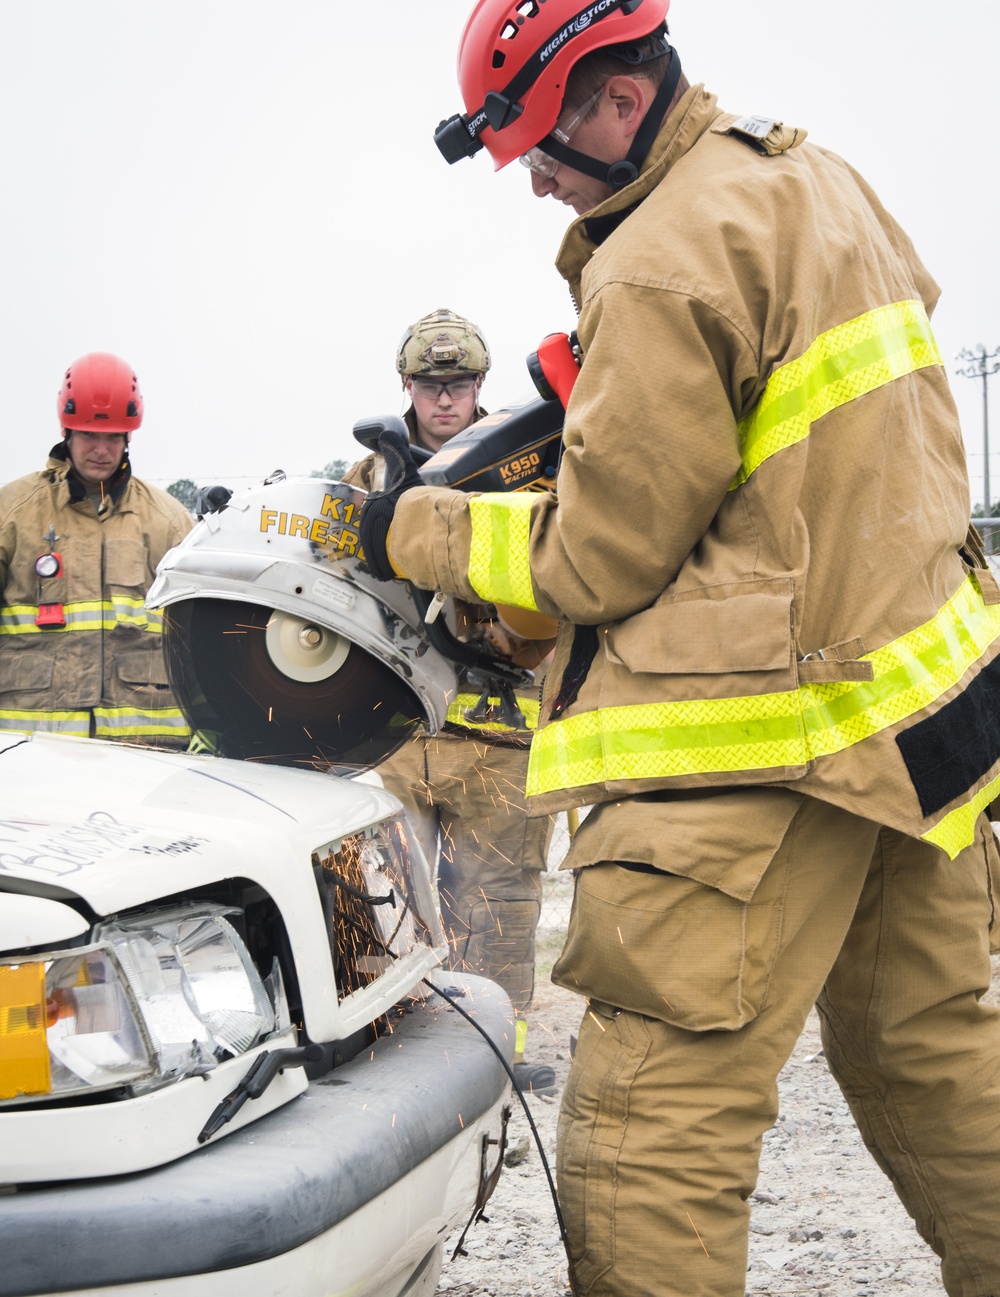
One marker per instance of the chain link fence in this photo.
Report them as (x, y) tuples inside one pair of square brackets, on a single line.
[(989, 530)]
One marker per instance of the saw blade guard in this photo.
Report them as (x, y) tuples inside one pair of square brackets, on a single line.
[(280, 645)]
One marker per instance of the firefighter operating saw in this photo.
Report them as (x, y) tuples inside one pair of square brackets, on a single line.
[(282, 647)]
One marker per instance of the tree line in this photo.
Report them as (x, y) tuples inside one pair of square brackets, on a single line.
[(186, 491)]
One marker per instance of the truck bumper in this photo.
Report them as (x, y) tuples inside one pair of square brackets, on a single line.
[(348, 1189)]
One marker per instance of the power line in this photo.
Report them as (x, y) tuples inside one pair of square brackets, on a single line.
[(982, 364)]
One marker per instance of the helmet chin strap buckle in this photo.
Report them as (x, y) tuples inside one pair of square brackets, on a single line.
[(621, 174)]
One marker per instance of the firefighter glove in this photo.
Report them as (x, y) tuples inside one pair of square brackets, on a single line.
[(380, 506)]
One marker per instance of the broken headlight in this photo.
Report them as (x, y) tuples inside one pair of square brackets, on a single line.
[(154, 998), (382, 904)]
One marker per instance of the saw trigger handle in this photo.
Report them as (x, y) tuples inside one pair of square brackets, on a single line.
[(370, 431)]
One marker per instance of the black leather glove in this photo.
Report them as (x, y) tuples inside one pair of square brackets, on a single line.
[(380, 506)]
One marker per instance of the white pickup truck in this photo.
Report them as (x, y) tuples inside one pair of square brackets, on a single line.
[(221, 1067)]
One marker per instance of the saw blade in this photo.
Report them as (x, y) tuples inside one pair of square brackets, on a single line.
[(262, 685)]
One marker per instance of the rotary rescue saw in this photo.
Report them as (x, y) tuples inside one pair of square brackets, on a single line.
[(282, 647)]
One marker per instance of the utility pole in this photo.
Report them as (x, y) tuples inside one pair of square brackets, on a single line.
[(982, 364)]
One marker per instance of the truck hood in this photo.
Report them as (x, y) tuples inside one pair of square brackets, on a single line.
[(118, 826), (96, 828)]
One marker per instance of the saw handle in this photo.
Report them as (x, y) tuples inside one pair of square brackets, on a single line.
[(369, 433), (400, 466), (401, 475), (475, 659)]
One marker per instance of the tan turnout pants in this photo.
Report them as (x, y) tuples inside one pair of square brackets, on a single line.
[(696, 1000), (468, 797)]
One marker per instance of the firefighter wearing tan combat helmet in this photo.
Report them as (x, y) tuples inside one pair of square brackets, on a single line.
[(464, 789), (442, 344), (442, 360)]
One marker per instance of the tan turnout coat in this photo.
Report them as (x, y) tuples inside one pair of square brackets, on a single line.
[(757, 546), (109, 655)]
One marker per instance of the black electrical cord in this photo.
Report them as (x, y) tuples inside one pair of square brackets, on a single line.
[(452, 1000)]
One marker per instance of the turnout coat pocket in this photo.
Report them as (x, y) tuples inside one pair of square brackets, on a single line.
[(690, 939), (733, 630)]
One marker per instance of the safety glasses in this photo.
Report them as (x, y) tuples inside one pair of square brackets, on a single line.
[(537, 160), (455, 388)]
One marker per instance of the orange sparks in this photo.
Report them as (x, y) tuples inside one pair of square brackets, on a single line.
[(592, 1014), (698, 1236), (394, 1127), (621, 939), (460, 1121)]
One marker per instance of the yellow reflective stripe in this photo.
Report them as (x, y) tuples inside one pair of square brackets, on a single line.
[(118, 722), (528, 708), (910, 674), (664, 740), (109, 722), (499, 570), (841, 365), (86, 615), (767, 731), (957, 829), (205, 741)]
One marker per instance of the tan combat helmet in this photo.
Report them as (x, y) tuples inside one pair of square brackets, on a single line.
[(443, 345)]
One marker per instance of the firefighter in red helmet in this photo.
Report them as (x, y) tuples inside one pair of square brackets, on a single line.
[(778, 663), (79, 543)]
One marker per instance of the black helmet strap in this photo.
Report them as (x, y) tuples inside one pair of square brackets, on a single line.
[(620, 174), (459, 136)]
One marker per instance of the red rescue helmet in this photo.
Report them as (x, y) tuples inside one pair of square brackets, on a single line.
[(100, 393), (513, 62)]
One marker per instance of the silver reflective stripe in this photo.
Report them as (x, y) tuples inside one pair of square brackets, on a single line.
[(30, 722), (128, 722)]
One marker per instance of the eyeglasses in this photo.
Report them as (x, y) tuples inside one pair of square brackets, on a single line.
[(537, 160), (455, 388)]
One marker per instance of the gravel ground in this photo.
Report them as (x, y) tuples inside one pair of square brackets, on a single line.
[(825, 1219)]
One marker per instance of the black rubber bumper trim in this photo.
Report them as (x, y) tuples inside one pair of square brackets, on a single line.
[(280, 1181)]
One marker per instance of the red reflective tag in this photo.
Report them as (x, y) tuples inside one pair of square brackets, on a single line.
[(50, 614)]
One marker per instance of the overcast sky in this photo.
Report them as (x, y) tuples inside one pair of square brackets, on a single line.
[(244, 200)]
